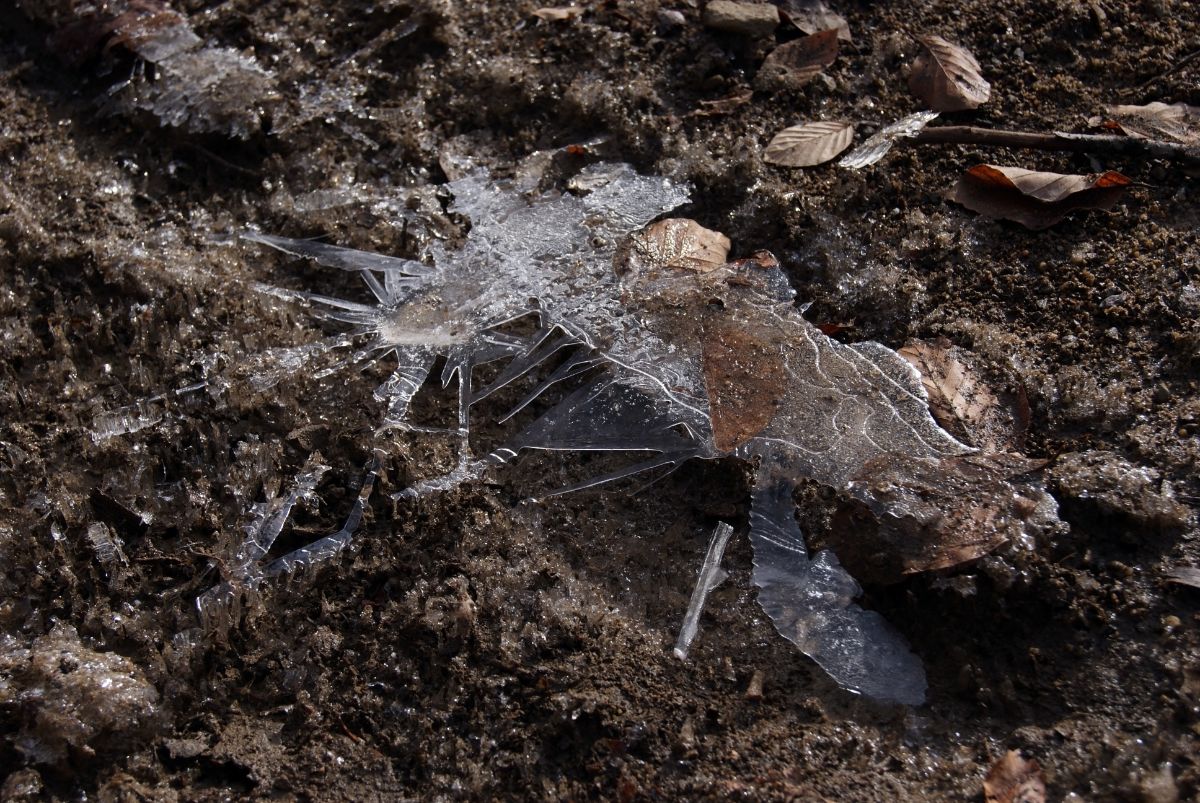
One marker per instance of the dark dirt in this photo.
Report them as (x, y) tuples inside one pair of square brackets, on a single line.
[(475, 645)]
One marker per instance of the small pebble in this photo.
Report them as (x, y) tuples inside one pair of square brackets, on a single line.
[(754, 20)]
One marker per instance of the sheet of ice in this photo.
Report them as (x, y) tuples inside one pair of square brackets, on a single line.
[(810, 600), (658, 361)]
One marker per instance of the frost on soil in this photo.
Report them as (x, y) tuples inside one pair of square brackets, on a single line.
[(636, 347)]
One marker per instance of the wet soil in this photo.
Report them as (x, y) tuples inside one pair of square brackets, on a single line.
[(478, 644)]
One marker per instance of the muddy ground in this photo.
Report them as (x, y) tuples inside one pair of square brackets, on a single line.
[(479, 645)]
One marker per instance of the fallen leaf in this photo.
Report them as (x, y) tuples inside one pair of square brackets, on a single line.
[(879, 143), (809, 144), (1184, 576), (906, 516), (674, 243), (1035, 199), (796, 63), (745, 375), (558, 13), (812, 16), (1012, 779), (962, 402), (720, 106), (1177, 122), (946, 77)]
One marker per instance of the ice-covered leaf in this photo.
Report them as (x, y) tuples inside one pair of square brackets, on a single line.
[(745, 380), (906, 516), (1177, 122), (1036, 200), (677, 243), (795, 63), (879, 143), (1014, 779), (946, 77), (962, 402), (813, 16), (809, 144)]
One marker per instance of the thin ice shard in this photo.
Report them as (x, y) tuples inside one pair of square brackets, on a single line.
[(878, 145), (810, 600), (711, 576)]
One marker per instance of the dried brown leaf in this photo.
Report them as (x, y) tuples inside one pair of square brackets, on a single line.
[(909, 516), (812, 16), (1176, 122), (745, 376), (1013, 779), (1036, 200), (809, 144), (961, 400), (558, 13), (946, 77), (674, 243), (797, 62), (1184, 576)]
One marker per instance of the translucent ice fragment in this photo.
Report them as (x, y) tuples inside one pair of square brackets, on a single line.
[(711, 576), (877, 146), (122, 422), (811, 603)]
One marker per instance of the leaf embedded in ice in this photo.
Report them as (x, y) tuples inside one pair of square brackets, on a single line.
[(879, 143), (907, 515), (946, 77), (795, 63), (673, 243), (1036, 200), (962, 402), (809, 144)]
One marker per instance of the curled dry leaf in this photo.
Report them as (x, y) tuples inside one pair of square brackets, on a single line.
[(558, 13), (879, 143), (946, 77), (962, 402), (1035, 199), (678, 243), (1184, 576), (809, 144), (812, 16), (797, 62), (1012, 779), (1177, 122), (904, 517)]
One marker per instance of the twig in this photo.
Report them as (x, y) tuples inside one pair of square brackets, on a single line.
[(1105, 144), (1179, 65)]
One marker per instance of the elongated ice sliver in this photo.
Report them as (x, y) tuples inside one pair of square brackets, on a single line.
[(711, 576)]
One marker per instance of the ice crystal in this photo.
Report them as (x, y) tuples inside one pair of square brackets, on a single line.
[(633, 350)]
